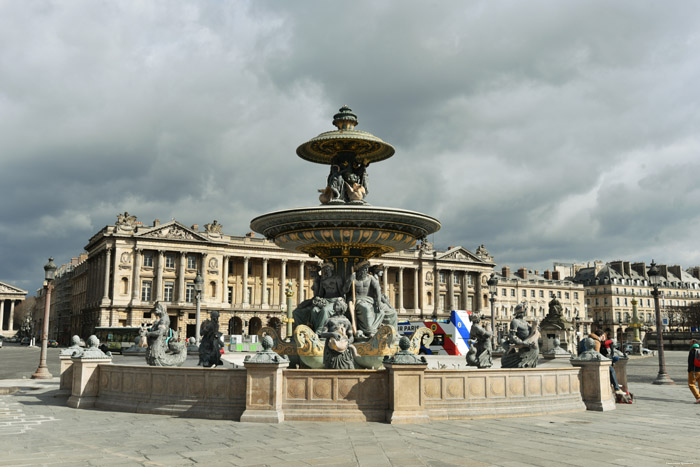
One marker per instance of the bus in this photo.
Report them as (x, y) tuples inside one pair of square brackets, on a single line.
[(115, 339), (450, 336)]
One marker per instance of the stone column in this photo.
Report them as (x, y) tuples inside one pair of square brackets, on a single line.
[(136, 279), (451, 290), (264, 283), (479, 296), (2, 312), (264, 392), (300, 294), (416, 304), (224, 280), (385, 279), (86, 381), (465, 291), (108, 259), (10, 325), (181, 277), (406, 394), (246, 302), (401, 308), (159, 276), (283, 281), (596, 389), (436, 290)]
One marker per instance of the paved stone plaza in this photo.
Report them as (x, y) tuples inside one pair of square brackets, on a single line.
[(660, 428)]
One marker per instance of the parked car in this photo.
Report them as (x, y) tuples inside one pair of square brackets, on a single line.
[(25, 341), (52, 343), (13, 340), (628, 348), (646, 351)]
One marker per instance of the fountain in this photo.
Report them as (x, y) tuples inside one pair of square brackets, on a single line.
[(345, 231)]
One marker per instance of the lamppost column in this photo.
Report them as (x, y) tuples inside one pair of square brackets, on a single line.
[(283, 279), (198, 287), (289, 292), (662, 377), (42, 372)]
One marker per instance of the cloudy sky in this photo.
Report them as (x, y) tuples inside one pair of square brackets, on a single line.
[(546, 130)]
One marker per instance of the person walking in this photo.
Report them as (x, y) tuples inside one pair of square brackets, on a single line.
[(694, 369)]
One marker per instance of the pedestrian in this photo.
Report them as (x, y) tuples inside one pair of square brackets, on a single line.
[(694, 369)]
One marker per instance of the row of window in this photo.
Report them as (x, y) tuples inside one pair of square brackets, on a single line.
[(567, 296), (622, 301), (648, 292), (169, 260)]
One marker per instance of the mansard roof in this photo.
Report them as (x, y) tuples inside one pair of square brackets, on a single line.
[(6, 288)]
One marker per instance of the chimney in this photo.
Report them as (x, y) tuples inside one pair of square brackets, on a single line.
[(156, 222), (522, 272), (617, 266), (555, 275), (537, 273), (663, 270), (505, 272), (195, 227), (628, 269), (695, 272), (547, 275)]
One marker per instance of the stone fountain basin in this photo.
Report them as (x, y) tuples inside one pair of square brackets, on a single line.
[(318, 230)]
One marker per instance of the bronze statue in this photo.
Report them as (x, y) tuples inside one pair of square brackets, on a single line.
[(480, 350), (522, 350), (211, 344), (364, 296)]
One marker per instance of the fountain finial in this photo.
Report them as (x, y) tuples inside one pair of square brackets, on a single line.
[(345, 119)]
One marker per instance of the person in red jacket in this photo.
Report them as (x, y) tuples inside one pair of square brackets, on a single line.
[(694, 369)]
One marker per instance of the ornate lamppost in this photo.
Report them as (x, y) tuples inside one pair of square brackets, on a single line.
[(577, 320), (42, 371), (198, 286), (655, 279), (493, 284)]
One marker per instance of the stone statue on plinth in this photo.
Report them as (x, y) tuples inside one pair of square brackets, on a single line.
[(556, 327), (266, 355), (522, 350), (92, 350), (480, 350), (74, 347), (211, 344), (163, 349)]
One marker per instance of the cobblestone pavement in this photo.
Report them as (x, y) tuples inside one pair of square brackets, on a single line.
[(660, 428)]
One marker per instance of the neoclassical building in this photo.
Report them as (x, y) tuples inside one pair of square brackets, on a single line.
[(611, 289), (130, 266), (10, 297)]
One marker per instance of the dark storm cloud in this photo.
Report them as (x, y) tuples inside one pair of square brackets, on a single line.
[(549, 131)]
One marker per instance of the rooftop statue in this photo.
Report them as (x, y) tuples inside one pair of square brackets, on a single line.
[(522, 350), (163, 350)]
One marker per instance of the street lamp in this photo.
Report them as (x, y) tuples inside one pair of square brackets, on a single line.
[(493, 284), (655, 279), (577, 320), (198, 285), (42, 371), (289, 292)]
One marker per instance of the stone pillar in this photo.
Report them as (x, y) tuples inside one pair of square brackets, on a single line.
[(264, 392), (159, 276), (385, 280), (436, 290), (465, 292), (416, 304), (283, 281), (181, 277), (264, 283), (246, 302), (300, 294), (66, 375), (224, 280), (2, 312), (621, 373), (136, 279), (451, 290), (10, 325), (478, 294), (86, 381), (595, 384), (108, 259), (400, 304), (406, 394)]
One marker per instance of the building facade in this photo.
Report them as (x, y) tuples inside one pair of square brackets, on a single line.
[(130, 266), (10, 297), (611, 289), (535, 291)]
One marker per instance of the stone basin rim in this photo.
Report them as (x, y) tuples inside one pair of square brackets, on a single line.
[(339, 213)]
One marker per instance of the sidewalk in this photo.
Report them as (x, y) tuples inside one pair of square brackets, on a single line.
[(659, 429)]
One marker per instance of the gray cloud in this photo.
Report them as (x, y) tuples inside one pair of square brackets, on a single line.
[(548, 131)]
